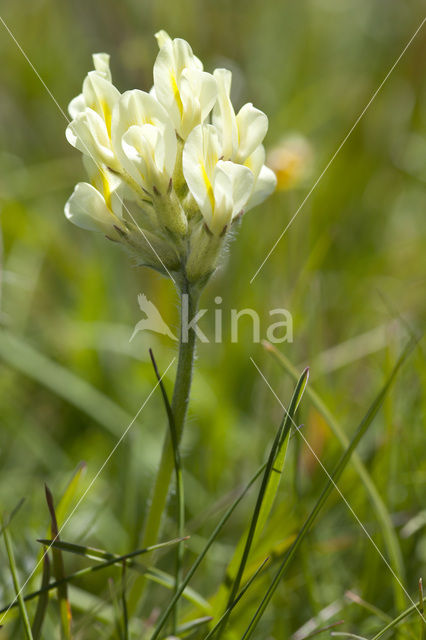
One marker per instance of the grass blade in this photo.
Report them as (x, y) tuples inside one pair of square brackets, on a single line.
[(389, 536), (268, 490), (153, 574), (355, 598), (164, 616), (317, 632), (395, 622), (233, 604), (99, 554), (341, 465), (59, 571), (179, 488), (19, 598), (124, 603), (42, 601), (346, 634), (188, 627)]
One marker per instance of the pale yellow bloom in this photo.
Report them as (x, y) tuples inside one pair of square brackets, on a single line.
[(241, 138), (90, 129), (97, 206), (181, 86), (220, 188), (169, 169), (144, 140)]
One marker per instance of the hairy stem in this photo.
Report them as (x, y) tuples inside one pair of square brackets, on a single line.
[(179, 407), (180, 400)]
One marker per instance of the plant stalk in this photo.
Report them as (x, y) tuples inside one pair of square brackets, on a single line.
[(181, 392), (180, 402)]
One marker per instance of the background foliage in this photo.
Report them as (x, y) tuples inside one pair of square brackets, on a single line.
[(351, 269)]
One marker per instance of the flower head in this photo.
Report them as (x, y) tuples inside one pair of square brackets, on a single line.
[(169, 169)]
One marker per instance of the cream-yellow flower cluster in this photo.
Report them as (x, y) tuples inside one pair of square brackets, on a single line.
[(169, 169)]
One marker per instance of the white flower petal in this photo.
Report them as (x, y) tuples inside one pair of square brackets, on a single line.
[(256, 160), (184, 56), (252, 127), (198, 92), (224, 115), (238, 179), (101, 64), (88, 133), (166, 84), (174, 57), (200, 155), (137, 108), (263, 187), (87, 209), (141, 146), (191, 111), (162, 37), (101, 96), (224, 81), (222, 215), (76, 106), (109, 184), (207, 93)]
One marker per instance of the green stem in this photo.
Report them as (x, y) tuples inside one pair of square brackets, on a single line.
[(180, 400), (179, 407)]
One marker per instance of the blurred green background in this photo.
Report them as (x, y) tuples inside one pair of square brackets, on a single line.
[(351, 269)]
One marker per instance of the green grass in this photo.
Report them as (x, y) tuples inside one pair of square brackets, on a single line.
[(351, 269)]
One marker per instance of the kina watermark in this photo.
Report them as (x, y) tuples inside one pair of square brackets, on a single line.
[(278, 330)]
